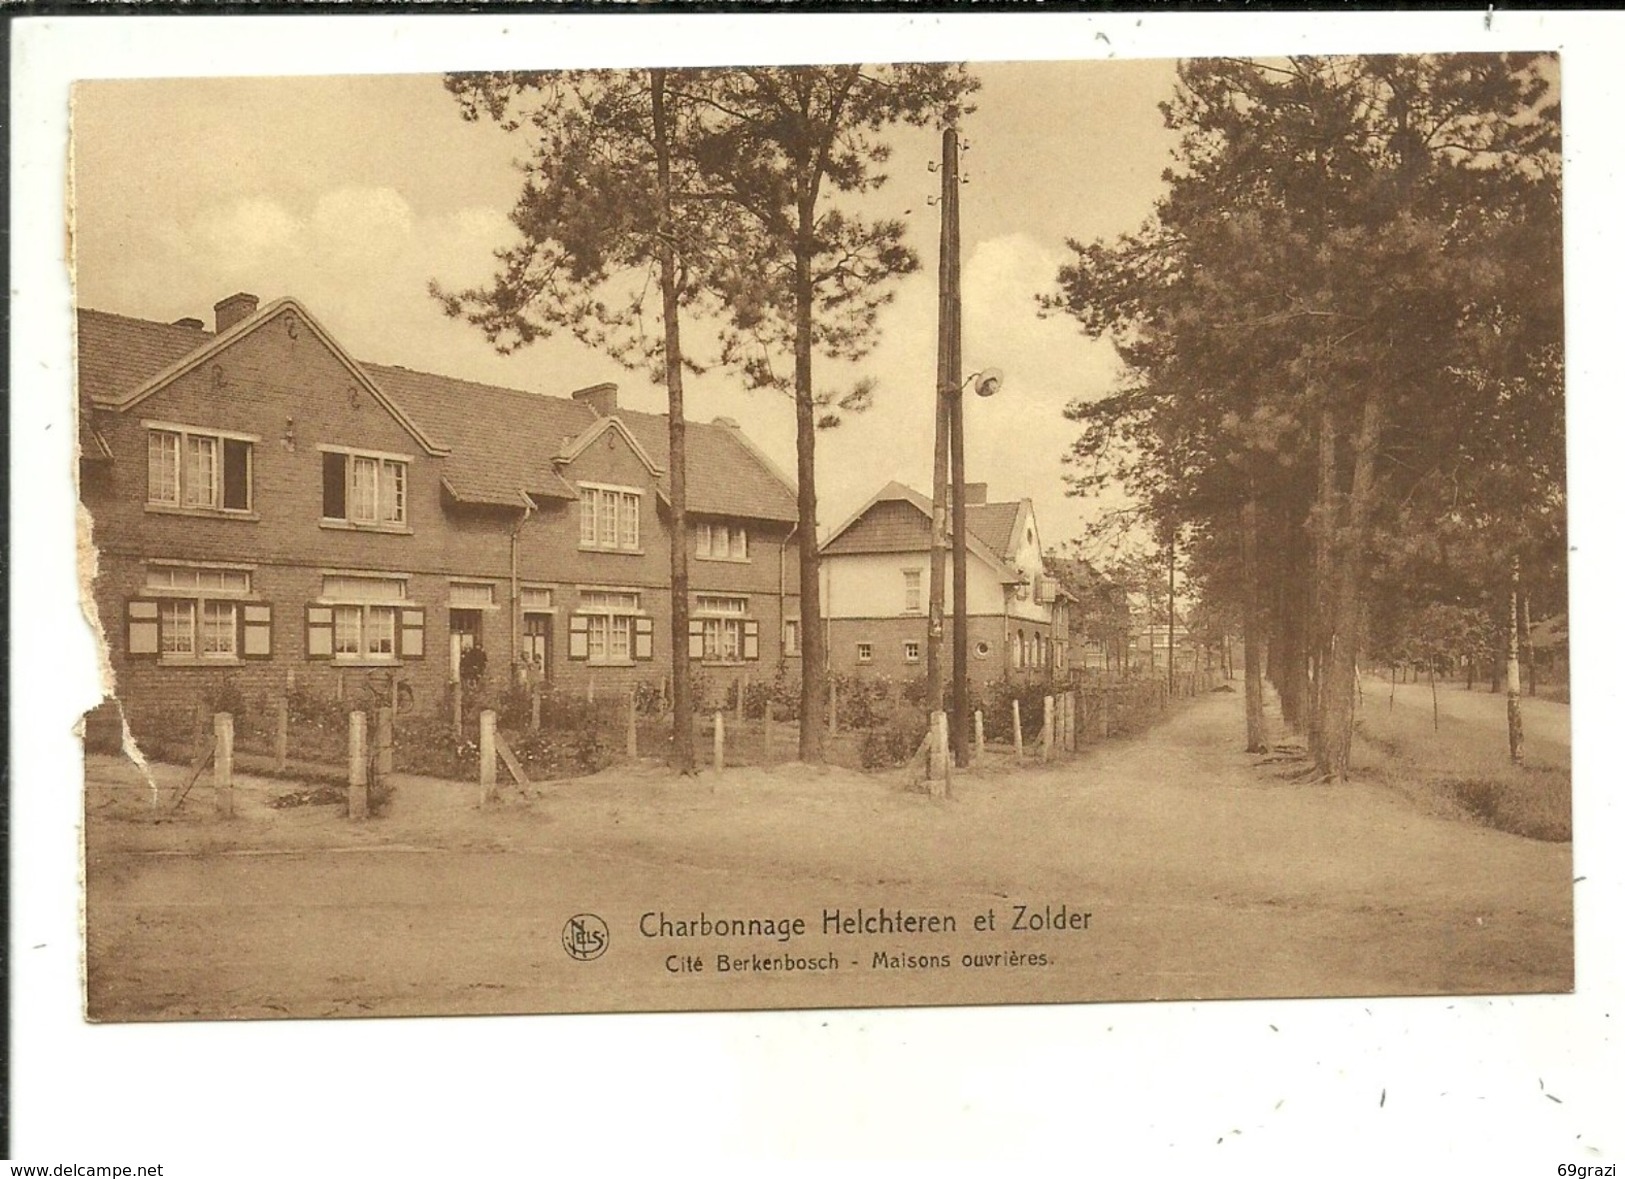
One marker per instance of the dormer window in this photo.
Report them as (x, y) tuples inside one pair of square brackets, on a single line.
[(721, 542)]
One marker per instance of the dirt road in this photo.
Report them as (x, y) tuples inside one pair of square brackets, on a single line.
[(1202, 875)]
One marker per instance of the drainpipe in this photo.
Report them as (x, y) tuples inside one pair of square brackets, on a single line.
[(801, 635), (513, 594)]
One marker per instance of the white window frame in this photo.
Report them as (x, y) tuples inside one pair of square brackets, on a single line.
[(611, 518), (792, 636), (866, 652), (187, 495), (911, 656), (389, 476), (365, 617), (722, 542), (611, 629), (198, 601), (913, 588)]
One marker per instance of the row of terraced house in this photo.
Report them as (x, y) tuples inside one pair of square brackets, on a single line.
[(268, 508)]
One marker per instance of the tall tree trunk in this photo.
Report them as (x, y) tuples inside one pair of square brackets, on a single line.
[(814, 674), (682, 696), (1526, 645), (1514, 695), (1335, 692), (1252, 631)]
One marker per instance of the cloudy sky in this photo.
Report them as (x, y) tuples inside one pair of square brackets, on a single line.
[(351, 193)]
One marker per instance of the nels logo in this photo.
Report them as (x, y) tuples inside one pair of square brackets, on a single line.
[(585, 937)]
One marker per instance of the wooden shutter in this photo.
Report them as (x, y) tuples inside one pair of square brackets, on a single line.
[(578, 636), (141, 627), (752, 639), (318, 632), (644, 638), (411, 633), (256, 636), (696, 638)]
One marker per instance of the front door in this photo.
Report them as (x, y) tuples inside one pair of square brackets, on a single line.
[(465, 635), (533, 645)]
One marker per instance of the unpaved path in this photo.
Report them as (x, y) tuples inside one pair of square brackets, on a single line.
[(1203, 874)]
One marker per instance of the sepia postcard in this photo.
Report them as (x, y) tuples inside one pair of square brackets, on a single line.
[(853, 535)]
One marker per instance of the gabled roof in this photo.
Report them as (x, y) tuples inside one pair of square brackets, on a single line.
[(885, 531), (573, 448), (118, 354), (206, 345), (499, 466), (499, 444)]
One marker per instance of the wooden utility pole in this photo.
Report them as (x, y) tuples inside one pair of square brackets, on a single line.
[(959, 697), (947, 320)]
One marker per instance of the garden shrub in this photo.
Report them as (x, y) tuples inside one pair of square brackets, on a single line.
[(894, 740)]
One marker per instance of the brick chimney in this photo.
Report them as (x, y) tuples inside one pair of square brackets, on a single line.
[(976, 493), (601, 398), (233, 309)]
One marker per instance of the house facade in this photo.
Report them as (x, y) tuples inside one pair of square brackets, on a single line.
[(267, 511), (877, 589)]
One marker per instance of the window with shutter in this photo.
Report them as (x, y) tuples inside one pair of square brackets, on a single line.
[(411, 634), (141, 627), (319, 632), (752, 639), (578, 636), (696, 638), (256, 641), (645, 638)]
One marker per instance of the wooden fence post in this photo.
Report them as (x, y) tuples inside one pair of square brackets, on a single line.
[(717, 741), (535, 704), (279, 749), (1070, 728), (358, 765), (1015, 721), (488, 756), (592, 689), (739, 699), (457, 710), (632, 724), (939, 757), (1105, 713), (384, 738), (767, 733), (981, 744), (834, 709), (223, 734), (1048, 735)]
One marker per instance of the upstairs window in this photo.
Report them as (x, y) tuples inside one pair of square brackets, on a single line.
[(721, 542), (363, 489), (610, 518), (198, 470), (911, 591)]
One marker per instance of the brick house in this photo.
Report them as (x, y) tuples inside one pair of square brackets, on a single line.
[(267, 510), (877, 589)]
